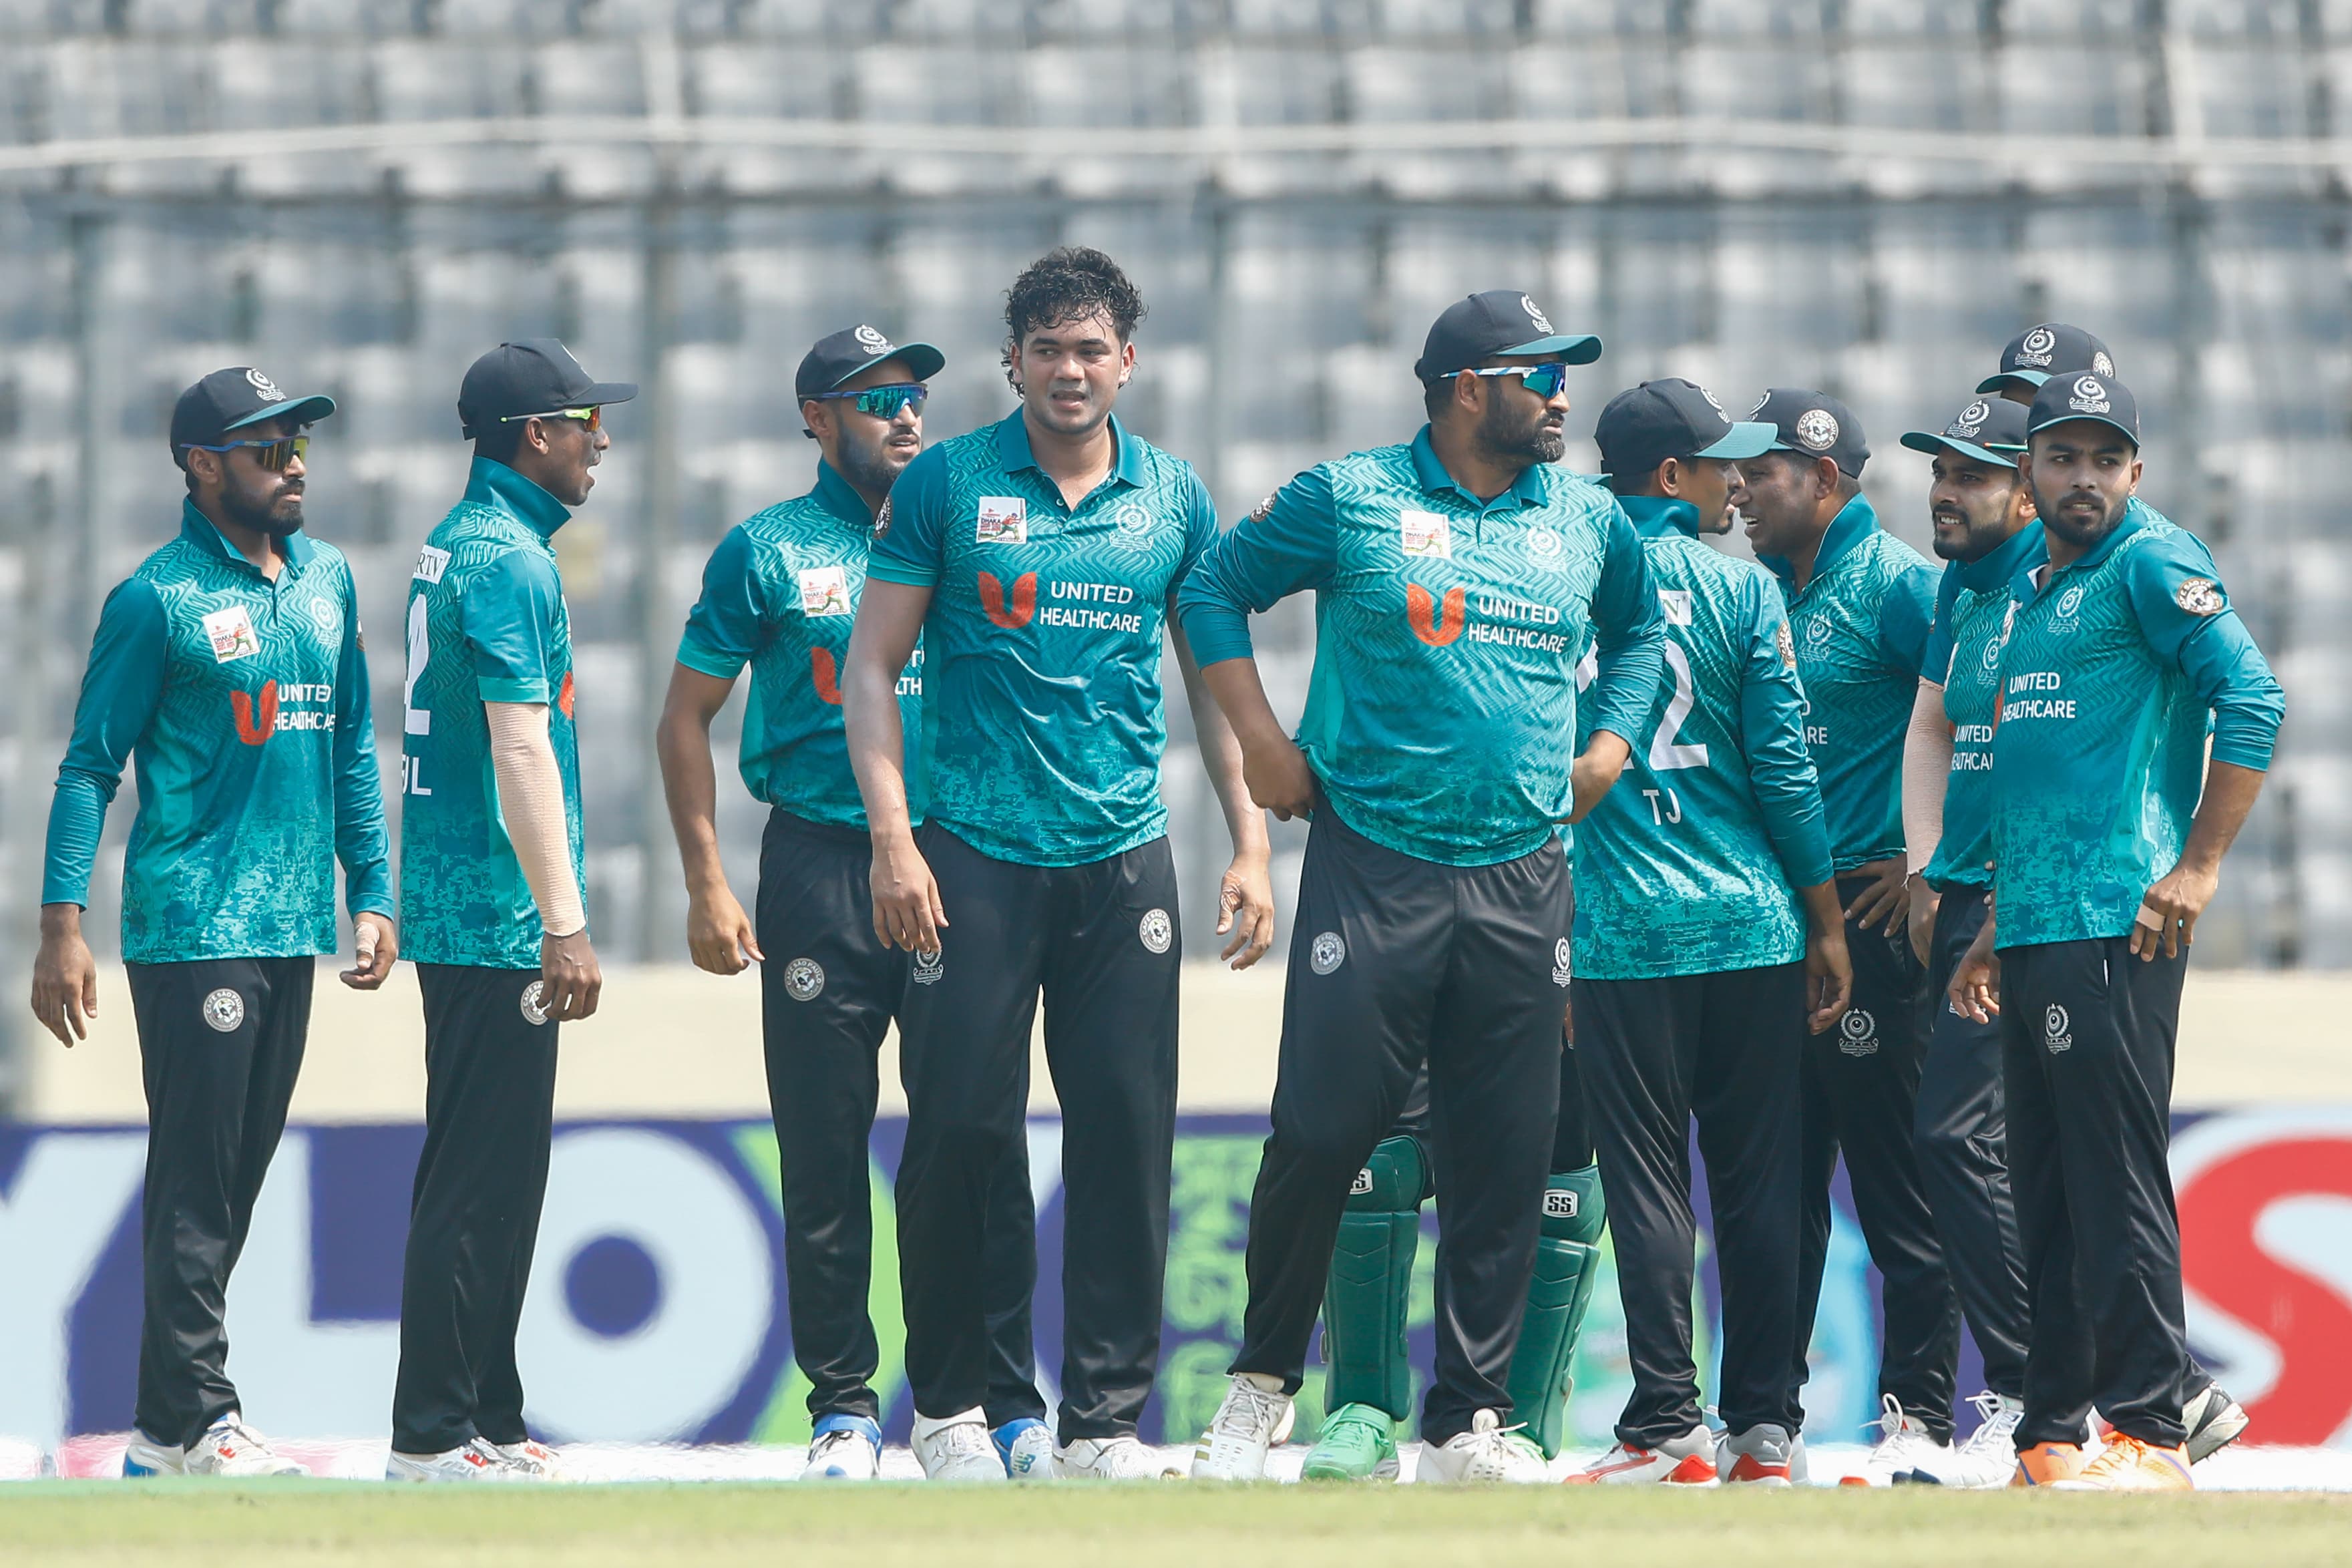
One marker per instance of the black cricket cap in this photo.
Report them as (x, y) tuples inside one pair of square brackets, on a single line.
[(232, 399), (1671, 417), (835, 358), (2053, 348), (1986, 431), (2065, 399), (1814, 425), (1472, 330), (529, 375)]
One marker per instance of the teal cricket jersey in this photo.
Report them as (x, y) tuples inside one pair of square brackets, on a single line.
[(1964, 654), (1689, 866), (780, 593), (245, 704), (1442, 702), (1861, 626), (1043, 725), (487, 623), (2111, 669)]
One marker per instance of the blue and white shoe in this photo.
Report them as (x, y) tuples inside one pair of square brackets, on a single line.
[(846, 1449), (146, 1457), (1026, 1446)]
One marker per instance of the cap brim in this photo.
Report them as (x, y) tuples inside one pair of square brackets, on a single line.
[(1998, 382), (605, 391), (1745, 438), (1576, 348), (301, 410), (1931, 443), (2127, 431)]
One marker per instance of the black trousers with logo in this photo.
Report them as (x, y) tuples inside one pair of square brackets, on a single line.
[(2086, 1036), (1101, 942), (1860, 1090), (473, 1218), (1395, 961), (220, 1044), (828, 992), (1961, 1128), (1724, 1047)]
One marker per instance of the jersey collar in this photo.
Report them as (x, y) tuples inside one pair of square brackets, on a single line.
[(492, 483), (2021, 551), (1855, 521), (198, 529), (1527, 489), (840, 502), (1660, 517), (1013, 452)]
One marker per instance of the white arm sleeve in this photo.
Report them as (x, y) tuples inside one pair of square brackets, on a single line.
[(530, 803), (1926, 769)]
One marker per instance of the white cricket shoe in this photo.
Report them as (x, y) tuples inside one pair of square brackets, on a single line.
[(956, 1448), (473, 1460), (532, 1461), (1252, 1419), (143, 1456), (845, 1447), (230, 1447), (1489, 1451), (1025, 1446), (1989, 1458), (1120, 1459), (1905, 1451), (2213, 1421), (1685, 1461)]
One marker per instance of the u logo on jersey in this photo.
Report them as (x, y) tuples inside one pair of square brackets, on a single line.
[(256, 721), (825, 675), (1024, 600), (1429, 624)]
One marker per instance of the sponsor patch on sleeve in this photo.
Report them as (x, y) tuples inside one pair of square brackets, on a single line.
[(2200, 596), (1786, 644), (431, 563)]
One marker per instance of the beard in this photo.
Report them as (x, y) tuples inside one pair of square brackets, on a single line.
[(868, 466), (2079, 534), (1981, 536), (1528, 439), (278, 517)]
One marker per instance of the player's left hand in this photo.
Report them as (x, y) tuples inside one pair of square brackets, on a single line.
[(1245, 908), (2168, 913), (1602, 761), (1924, 902), (377, 945), (1829, 978), (1975, 989), (1886, 900)]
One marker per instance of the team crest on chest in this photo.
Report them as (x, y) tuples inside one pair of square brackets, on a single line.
[(1002, 520), (231, 633), (1544, 546), (326, 617), (824, 590), (1134, 526), (1425, 533)]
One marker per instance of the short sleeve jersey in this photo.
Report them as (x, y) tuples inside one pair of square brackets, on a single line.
[(1859, 625), (244, 704), (487, 623), (1043, 720), (1688, 865), (780, 593), (2109, 670), (1964, 654), (1447, 628)]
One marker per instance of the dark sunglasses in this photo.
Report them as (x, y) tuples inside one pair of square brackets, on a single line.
[(592, 418), (882, 402), (271, 454), (1544, 380)]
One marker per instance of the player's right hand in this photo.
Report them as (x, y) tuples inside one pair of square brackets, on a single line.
[(65, 976), (569, 977), (906, 908), (1828, 979), (1975, 989), (1278, 777), (1924, 901), (720, 935)]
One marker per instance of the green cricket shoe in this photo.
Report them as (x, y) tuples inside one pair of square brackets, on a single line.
[(1358, 1443)]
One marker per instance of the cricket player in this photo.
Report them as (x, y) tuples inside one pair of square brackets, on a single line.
[(1860, 606), (2108, 828), (229, 666), (1456, 576), (492, 882), (779, 594), (1708, 938), (1036, 559)]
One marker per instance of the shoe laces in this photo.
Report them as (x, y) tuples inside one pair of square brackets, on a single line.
[(232, 1429), (1895, 1424), (840, 1436), (1248, 1412), (964, 1438), (1997, 1426)]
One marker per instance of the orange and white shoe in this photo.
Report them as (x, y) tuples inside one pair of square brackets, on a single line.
[(1763, 1456), (2049, 1464), (1685, 1461), (2130, 1465)]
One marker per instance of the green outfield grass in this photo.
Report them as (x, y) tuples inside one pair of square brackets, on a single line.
[(1289, 1527)]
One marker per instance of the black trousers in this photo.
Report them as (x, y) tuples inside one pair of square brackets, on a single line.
[(1724, 1047), (220, 1044), (1101, 942), (1860, 1094), (473, 1218), (1394, 961), (827, 995), (1961, 1130), (2086, 1036)]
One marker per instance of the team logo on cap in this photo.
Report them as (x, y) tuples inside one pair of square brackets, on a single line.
[(1858, 1034), (533, 1003), (872, 341), (1156, 930), (263, 387), (2090, 396), (2100, 364), (1817, 430), (1760, 405), (929, 967), (2056, 1029), (2199, 597), (1326, 952), (1971, 419), (224, 1010), (803, 979), (1711, 402), (1542, 321), (2035, 349)]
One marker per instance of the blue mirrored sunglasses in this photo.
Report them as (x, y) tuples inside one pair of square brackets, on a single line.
[(882, 402), (1544, 380)]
